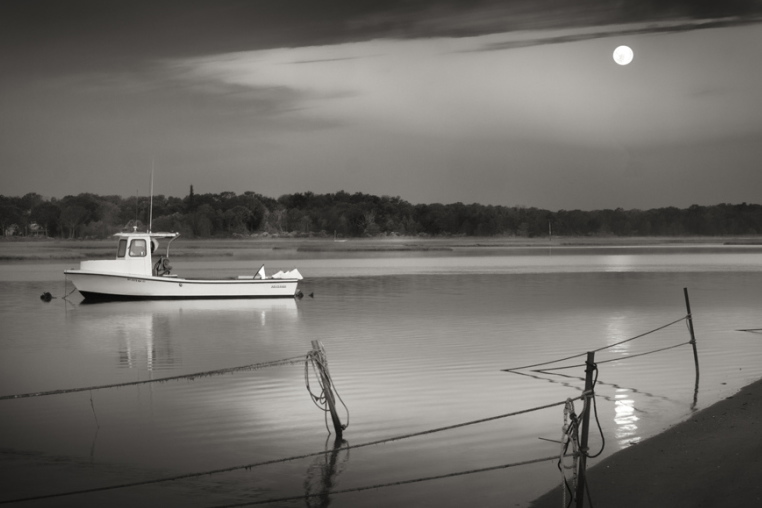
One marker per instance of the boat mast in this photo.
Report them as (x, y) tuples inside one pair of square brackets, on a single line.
[(137, 210), (150, 213)]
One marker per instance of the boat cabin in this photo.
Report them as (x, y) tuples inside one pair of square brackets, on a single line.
[(135, 256)]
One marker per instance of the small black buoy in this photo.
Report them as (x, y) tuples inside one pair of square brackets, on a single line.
[(299, 294), (46, 297), (312, 295)]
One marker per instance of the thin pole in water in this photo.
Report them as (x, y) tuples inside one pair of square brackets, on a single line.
[(693, 343), (588, 395)]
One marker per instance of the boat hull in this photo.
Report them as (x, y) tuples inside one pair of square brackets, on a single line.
[(103, 286)]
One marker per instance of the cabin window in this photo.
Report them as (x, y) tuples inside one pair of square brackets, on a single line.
[(122, 250), (138, 248)]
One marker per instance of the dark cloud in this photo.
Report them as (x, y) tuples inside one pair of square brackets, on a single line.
[(90, 90), (640, 30), (59, 35)]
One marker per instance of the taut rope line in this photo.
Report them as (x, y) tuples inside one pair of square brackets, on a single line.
[(253, 366), (294, 457), (599, 349), (618, 359), (392, 484)]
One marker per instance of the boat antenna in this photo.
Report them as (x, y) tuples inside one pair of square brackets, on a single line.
[(150, 213), (137, 202)]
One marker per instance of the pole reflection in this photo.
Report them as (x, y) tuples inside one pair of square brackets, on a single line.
[(321, 476)]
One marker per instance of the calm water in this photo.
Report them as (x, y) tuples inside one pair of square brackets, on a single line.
[(414, 342)]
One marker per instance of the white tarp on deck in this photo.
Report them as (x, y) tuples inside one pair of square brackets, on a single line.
[(291, 274)]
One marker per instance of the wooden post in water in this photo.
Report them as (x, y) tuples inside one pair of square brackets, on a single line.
[(325, 378), (588, 396)]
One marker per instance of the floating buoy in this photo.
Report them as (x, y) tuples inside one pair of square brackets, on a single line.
[(312, 295), (299, 294), (46, 297)]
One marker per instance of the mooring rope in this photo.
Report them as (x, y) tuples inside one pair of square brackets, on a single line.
[(47, 296), (390, 484), (228, 370), (318, 400), (294, 457), (316, 360), (597, 420), (569, 435), (599, 349), (622, 358)]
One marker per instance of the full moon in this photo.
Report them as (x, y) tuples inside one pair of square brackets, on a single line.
[(623, 55)]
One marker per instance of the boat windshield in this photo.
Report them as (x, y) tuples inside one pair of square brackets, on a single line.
[(122, 249), (138, 248)]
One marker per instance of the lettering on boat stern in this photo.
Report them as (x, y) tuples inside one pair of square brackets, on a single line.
[(135, 280), (277, 287)]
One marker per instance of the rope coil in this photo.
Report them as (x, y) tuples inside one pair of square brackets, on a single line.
[(317, 360), (569, 436)]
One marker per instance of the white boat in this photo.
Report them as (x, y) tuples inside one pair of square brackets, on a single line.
[(136, 274)]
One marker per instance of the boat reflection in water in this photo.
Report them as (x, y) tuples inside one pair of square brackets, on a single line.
[(152, 334)]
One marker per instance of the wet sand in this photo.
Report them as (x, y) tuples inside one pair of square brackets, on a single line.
[(713, 459)]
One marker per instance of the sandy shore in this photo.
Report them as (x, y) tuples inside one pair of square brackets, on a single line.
[(713, 459)]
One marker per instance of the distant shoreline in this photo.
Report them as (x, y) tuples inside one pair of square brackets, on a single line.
[(55, 249)]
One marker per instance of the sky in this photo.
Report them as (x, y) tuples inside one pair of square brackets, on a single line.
[(515, 103)]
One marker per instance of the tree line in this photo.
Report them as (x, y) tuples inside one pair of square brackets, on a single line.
[(341, 214)]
